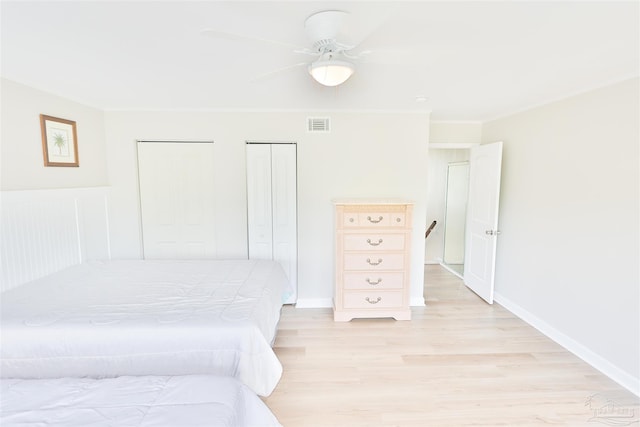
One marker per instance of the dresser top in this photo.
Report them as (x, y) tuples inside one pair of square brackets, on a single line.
[(373, 201)]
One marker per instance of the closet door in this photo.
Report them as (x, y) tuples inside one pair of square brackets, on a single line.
[(177, 199), (272, 206), (259, 213)]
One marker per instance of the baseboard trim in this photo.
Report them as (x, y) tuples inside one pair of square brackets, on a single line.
[(417, 302), (452, 271), (598, 362), (314, 303), (328, 302)]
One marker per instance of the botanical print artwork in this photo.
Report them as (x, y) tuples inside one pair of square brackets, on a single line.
[(59, 141)]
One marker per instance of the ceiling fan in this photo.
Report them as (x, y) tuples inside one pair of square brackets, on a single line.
[(334, 60), (334, 63)]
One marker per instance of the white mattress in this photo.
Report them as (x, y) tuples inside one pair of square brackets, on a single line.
[(192, 400), (107, 319)]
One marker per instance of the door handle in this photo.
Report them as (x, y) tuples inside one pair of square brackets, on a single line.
[(492, 232)]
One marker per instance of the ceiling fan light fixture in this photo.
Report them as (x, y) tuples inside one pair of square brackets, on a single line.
[(331, 72)]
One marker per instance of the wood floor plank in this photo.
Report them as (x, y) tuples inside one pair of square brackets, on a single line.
[(458, 362)]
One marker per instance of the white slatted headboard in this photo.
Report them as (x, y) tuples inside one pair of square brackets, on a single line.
[(43, 231)]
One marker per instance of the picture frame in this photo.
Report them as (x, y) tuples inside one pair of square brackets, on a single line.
[(59, 141)]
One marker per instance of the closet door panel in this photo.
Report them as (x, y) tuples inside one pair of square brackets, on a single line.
[(259, 209), (177, 200), (284, 197), (272, 206)]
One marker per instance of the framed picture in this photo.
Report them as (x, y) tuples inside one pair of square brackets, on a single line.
[(59, 141)]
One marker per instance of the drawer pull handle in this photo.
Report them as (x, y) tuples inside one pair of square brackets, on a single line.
[(374, 221), (370, 301), (351, 219), (398, 219), (369, 281), (374, 243), (373, 262)]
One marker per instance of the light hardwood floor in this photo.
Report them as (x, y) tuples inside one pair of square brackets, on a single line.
[(459, 362)]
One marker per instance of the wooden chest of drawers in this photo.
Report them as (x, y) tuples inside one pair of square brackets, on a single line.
[(373, 242)]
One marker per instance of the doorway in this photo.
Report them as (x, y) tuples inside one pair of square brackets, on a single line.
[(481, 227), (444, 245)]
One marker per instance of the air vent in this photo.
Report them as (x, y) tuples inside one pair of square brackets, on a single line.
[(318, 124)]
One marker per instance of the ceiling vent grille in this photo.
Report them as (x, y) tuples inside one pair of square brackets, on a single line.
[(318, 124)]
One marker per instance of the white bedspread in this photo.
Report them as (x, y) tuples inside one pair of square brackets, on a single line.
[(107, 319), (193, 400)]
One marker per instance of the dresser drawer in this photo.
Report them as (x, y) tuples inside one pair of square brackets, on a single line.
[(374, 242), (397, 219), (373, 262), (373, 219), (373, 280), (350, 219), (366, 220), (373, 300)]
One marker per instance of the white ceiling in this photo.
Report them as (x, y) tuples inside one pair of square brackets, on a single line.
[(473, 60)]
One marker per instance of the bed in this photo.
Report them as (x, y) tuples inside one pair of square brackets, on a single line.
[(191, 400), (116, 318)]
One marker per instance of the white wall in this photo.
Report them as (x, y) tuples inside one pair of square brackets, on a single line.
[(568, 255), (446, 132), (21, 160), (365, 155)]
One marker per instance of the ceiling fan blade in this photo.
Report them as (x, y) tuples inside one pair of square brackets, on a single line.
[(361, 34), (279, 70), (393, 57), (307, 51), (210, 32)]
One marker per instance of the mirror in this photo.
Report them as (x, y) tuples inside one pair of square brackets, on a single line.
[(455, 216)]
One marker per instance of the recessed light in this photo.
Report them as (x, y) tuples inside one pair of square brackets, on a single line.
[(421, 98)]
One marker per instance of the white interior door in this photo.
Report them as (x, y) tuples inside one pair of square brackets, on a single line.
[(482, 218), (272, 207), (177, 200)]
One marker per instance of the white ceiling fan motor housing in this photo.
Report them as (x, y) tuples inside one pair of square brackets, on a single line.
[(324, 26)]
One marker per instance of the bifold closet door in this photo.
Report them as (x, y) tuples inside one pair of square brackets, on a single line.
[(177, 199), (272, 206)]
